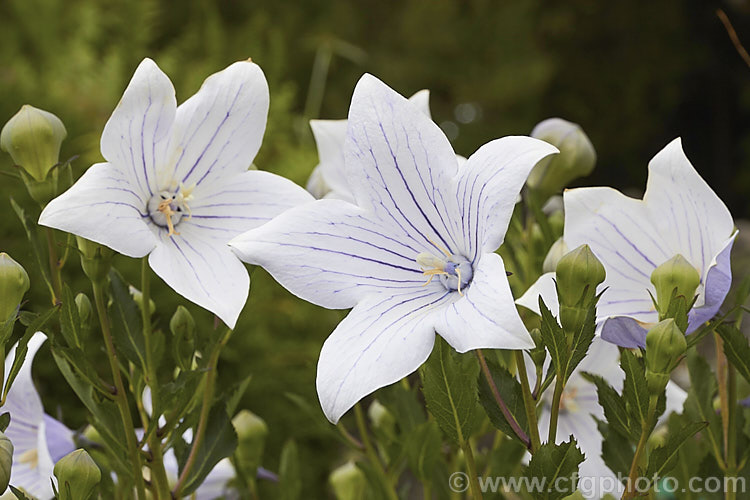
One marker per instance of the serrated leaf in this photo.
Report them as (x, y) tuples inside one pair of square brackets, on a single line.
[(661, 460), (736, 349), (22, 348), (127, 328), (219, 442), (617, 450), (582, 339), (290, 481), (635, 390), (551, 462), (554, 339), (614, 407), (512, 395), (449, 386)]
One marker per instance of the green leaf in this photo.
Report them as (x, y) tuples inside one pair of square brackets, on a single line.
[(22, 347), (4, 421), (450, 390), (661, 460), (127, 329), (699, 403), (617, 450), (70, 323), (551, 462), (554, 339), (512, 395), (219, 442), (290, 481), (235, 394), (582, 339), (29, 226), (20, 495), (736, 349), (635, 390), (404, 404), (614, 407), (422, 446)]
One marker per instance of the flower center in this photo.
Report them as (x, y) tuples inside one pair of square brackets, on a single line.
[(568, 401), (454, 271), (167, 207), (30, 457)]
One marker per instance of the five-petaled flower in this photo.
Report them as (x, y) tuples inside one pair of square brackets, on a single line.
[(679, 214), (414, 255), (176, 184), (38, 439)]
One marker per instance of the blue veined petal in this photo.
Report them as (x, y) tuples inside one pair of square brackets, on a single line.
[(488, 187), (400, 166), (333, 254), (134, 135), (237, 203), (58, 437), (485, 316), (383, 339), (218, 130), (103, 206), (718, 281), (203, 270)]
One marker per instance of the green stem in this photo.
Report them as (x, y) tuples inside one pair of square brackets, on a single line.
[(371, 455), (54, 265), (555, 410), (471, 470), (500, 403), (158, 472), (646, 428), (208, 396), (528, 402), (121, 397)]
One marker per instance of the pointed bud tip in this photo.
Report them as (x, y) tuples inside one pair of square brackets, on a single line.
[(33, 138)]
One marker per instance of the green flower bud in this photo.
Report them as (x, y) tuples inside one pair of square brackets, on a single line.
[(77, 475), (14, 283), (555, 253), (182, 326), (348, 482), (538, 353), (251, 437), (6, 460), (576, 158), (676, 277), (33, 138), (381, 417), (83, 304), (578, 274), (138, 299), (96, 259), (665, 347)]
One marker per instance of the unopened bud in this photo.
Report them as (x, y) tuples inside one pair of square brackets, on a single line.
[(251, 437), (96, 259), (577, 156), (77, 475), (665, 347), (675, 278), (6, 460), (555, 253), (14, 283), (348, 482), (83, 304), (138, 299), (381, 417), (182, 326), (578, 274)]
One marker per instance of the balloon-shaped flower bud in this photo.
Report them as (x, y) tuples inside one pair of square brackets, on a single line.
[(33, 138), (381, 418), (555, 253), (14, 283), (77, 475), (138, 299), (665, 347), (577, 156), (348, 482), (83, 304), (251, 438), (578, 274), (676, 278), (6, 460), (182, 326), (96, 259)]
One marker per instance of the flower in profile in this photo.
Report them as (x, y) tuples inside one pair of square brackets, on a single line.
[(414, 255), (579, 410), (328, 179), (39, 440), (176, 184), (679, 215)]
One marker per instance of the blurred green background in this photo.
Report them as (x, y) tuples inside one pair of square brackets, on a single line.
[(633, 74)]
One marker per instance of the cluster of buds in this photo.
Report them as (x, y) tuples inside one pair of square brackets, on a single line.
[(578, 274), (33, 138)]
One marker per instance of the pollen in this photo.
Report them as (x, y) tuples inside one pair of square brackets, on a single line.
[(30, 457), (454, 271)]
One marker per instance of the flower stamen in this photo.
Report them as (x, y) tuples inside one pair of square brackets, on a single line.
[(165, 207)]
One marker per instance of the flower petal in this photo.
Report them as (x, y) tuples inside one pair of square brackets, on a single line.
[(218, 131), (203, 271), (400, 166), (133, 135), (488, 187), (718, 281), (332, 253), (103, 206), (546, 288), (238, 203), (383, 339), (421, 99), (485, 317), (58, 437), (330, 136)]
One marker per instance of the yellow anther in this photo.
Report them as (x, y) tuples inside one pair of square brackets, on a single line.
[(568, 399), (165, 207), (30, 457)]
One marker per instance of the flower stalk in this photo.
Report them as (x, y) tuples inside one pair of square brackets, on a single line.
[(529, 403), (372, 456)]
